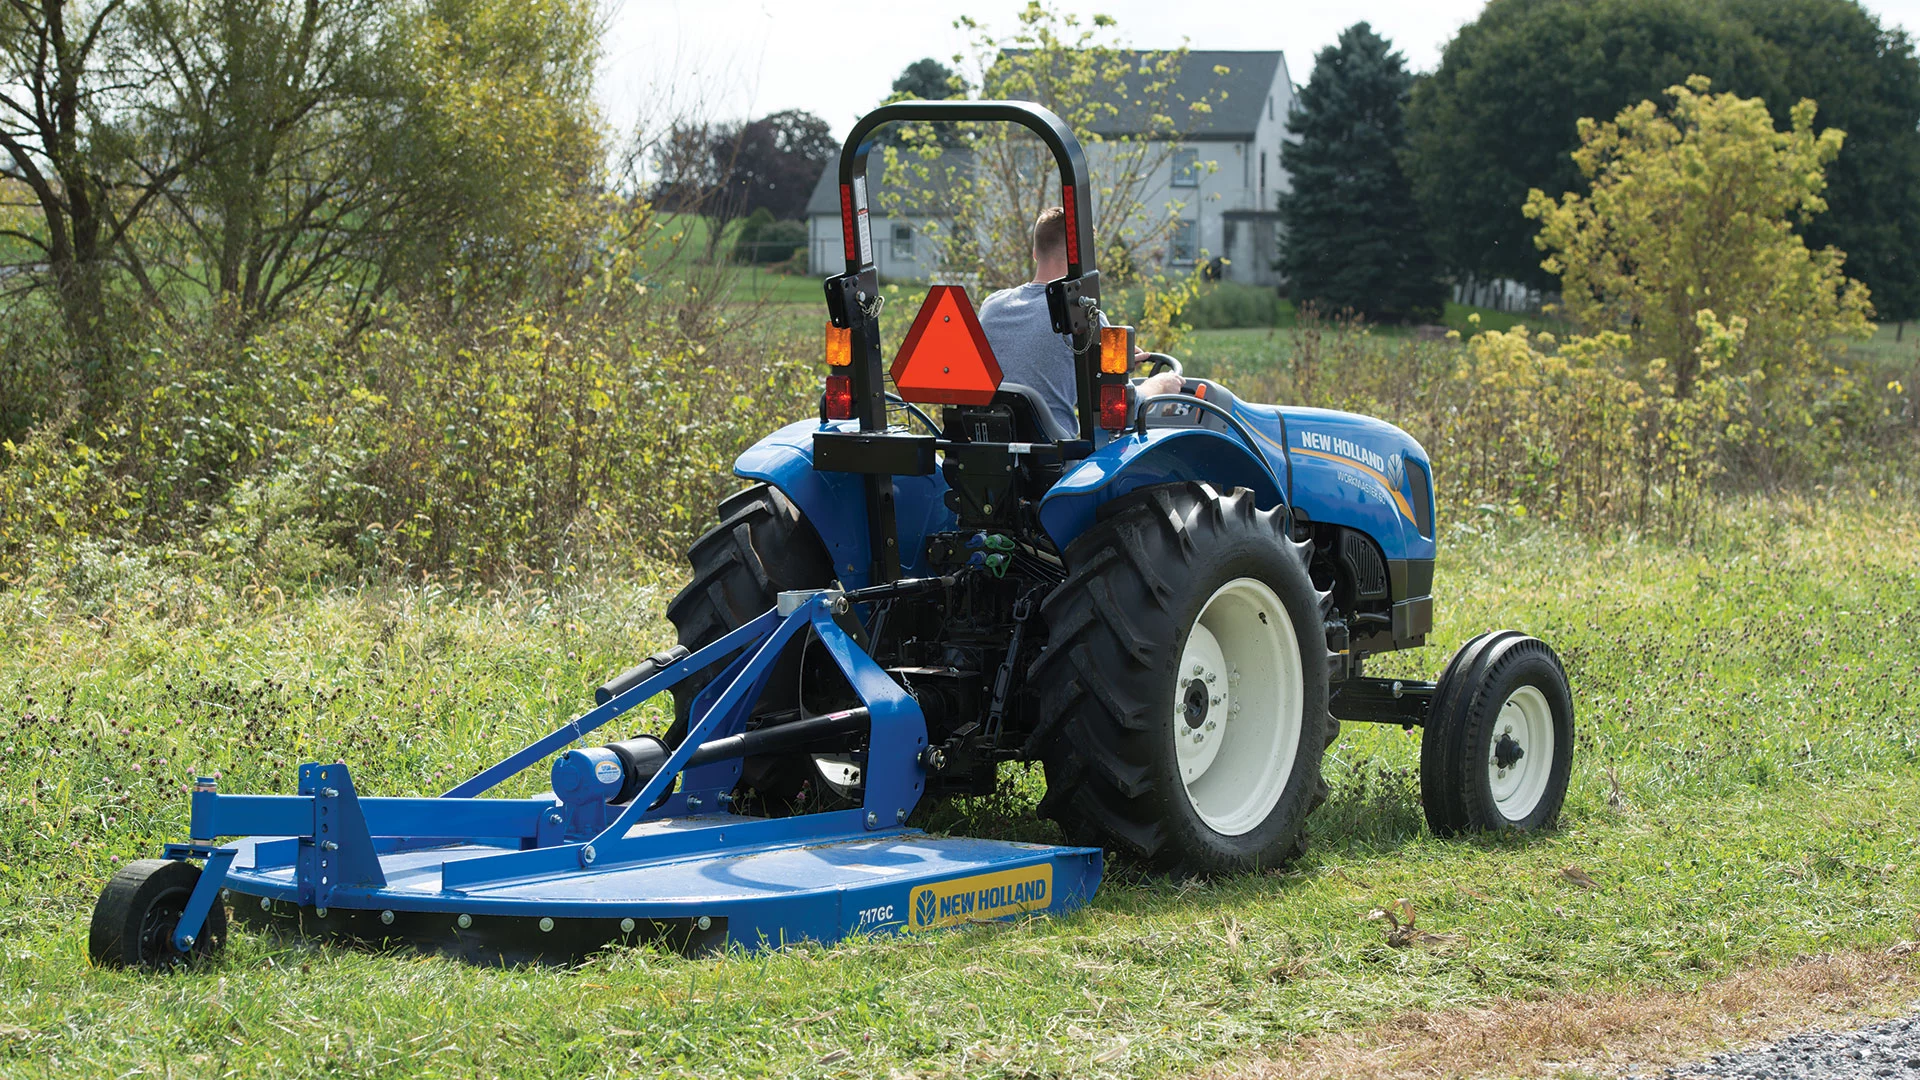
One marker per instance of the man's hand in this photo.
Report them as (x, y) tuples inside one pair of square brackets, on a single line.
[(1164, 383)]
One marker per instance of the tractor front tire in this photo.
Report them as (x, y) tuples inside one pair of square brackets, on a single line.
[(1184, 684), (1497, 749), (763, 546)]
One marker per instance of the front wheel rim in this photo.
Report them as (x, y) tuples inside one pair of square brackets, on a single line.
[(1237, 707), (1520, 753)]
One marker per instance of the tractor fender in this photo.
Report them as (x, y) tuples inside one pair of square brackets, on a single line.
[(835, 503), (1160, 456)]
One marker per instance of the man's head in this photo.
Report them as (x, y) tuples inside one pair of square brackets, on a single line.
[(1050, 245)]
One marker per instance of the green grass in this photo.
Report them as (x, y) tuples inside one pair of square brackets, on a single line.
[(1748, 772)]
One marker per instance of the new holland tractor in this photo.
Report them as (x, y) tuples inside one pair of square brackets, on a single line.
[(1169, 606)]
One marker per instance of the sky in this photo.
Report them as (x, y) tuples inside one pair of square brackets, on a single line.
[(734, 58)]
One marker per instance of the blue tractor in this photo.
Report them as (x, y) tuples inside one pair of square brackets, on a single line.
[(1169, 606)]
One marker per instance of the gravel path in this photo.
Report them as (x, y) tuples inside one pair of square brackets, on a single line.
[(1891, 1050)]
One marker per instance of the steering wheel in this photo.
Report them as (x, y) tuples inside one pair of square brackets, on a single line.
[(1158, 362)]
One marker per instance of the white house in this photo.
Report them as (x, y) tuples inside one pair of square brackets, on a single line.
[(1224, 177)]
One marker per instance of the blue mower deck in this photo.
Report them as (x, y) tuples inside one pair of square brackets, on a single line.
[(898, 880), (618, 852)]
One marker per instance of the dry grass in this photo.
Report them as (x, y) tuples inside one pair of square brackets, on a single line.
[(1605, 1033)]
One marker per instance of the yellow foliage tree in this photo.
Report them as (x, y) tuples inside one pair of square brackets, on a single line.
[(1687, 241)]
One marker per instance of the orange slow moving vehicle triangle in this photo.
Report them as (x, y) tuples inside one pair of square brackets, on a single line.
[(945, 359)]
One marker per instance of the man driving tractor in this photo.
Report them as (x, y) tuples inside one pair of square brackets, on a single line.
[(1020, 330)]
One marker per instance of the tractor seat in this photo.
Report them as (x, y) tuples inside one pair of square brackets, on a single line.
[(1017, 414)]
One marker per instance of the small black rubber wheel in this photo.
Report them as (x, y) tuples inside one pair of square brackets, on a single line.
[(1497, 750), (763, 546), (1185, 682), (137, 913)]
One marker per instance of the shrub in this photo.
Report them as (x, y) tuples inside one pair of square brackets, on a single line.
[(1229, 305), (1693, 214), (763, 240), (1522, 423)]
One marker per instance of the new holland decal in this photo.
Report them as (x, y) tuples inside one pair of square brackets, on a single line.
[(1389, 472), (1346, 448), (982, 896)]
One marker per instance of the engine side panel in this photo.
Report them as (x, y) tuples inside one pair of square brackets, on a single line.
[(836, 504)]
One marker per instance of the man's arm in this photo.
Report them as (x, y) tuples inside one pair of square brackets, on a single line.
[(1164, 383)]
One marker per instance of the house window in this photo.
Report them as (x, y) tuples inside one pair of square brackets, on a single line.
[(1263, 176), (902, 241), (1269, 108), (1186, 168), (1229, 232), (1185, 247)]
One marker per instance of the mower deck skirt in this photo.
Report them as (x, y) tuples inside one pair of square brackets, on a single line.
[(887, 881)]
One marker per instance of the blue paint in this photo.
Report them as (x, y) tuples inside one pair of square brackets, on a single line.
[(836, 505), (1337, 487), (814, 877), (1161, 456)]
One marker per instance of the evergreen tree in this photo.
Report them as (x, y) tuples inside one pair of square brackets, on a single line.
[(1354, 239), (926, 79)]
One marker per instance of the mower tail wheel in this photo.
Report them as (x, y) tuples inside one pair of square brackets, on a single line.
[(1183, 690), (138, 912), (1498, 746)]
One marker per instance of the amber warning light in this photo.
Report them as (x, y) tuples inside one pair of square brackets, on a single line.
[(839, 346), (1116, 350)]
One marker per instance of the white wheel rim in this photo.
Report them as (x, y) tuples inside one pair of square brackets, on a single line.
[(1237, 705), (1525, 726)]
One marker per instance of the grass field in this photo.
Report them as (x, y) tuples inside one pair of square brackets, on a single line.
[(1748, 771)]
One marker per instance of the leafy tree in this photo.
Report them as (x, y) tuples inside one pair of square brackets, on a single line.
[(1353, 233), (1688, 239), (360, 148), (1867, 81), (260, 151), (982, 198), (725, 172), (1498, 116), (62, 76), (926, 79)]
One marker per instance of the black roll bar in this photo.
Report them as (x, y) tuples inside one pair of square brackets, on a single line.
[(1042, 122), (851, 296)]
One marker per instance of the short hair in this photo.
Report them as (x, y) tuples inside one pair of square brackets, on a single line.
[(1050, 232)]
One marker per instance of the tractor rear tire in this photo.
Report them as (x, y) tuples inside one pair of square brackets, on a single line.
[(1187, 619), (1497, 749), (763, 546)]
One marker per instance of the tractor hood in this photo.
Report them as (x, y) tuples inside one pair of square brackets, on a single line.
[(1353, 470)]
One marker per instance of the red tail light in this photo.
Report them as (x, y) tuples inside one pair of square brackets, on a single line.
[(839, 397), (1113, 406)]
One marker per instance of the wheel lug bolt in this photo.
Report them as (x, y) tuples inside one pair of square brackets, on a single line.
[(1199, 670), (1211, 725)]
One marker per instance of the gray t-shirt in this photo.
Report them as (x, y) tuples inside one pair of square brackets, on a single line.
[(1030, 353)]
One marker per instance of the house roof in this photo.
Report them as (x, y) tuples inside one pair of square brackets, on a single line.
[(826, 194), (1238, 98), (1233, 82)]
